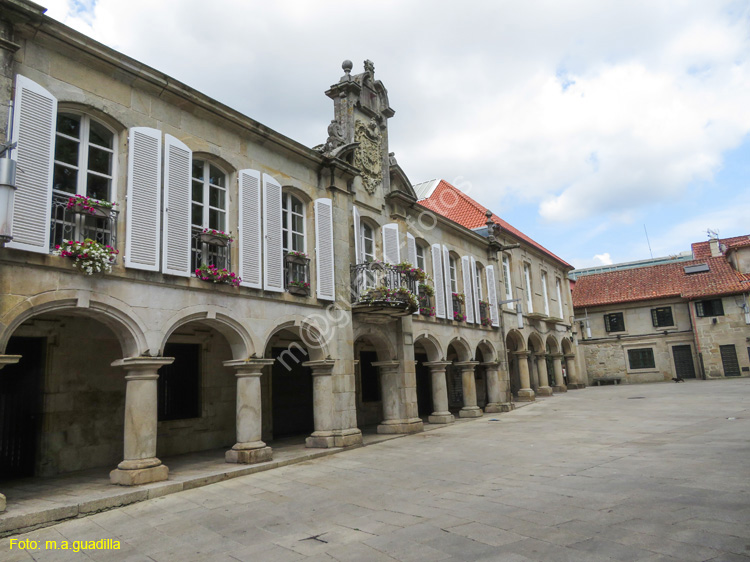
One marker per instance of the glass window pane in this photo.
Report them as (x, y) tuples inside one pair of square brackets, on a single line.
[(284, 219), (66, 150), (297, 224), (216, 219), (216, 197), (197, 215), (296, 205), (100, 161), (68, 124), (65, 179), (99, 134), (198, 170), (298, 243), (197, 191), (216, 176), (97, 187), (368, 247)]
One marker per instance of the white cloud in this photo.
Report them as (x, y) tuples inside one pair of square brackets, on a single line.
[(603, 259)]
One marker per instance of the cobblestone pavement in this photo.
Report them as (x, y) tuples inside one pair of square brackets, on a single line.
[(634, 473)]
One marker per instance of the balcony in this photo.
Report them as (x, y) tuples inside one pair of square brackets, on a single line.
[(297, 274), (72, 224), (484, 314), (208, 250), (458, 307), (382, 291)]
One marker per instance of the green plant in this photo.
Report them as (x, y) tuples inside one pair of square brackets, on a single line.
[(88, 256), (213, 274), (425, 289)]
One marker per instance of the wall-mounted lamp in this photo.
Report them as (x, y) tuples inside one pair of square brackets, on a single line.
[(7, 194)]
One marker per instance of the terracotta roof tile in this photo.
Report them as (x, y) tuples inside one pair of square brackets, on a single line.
[(702, 250), (452, 203), (659, 281)]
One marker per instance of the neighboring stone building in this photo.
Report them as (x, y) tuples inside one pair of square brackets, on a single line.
[(687, 319), (321, 337)]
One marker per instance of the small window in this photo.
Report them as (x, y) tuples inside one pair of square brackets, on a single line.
[(558, 286), (711, 307), (662, 317), (368, 242), (479, 282), (529, 296), (614, 322), (545, 296), (420, 257), (641, 358), (454, 277), (507, 283), (293, 224), (208, 210)]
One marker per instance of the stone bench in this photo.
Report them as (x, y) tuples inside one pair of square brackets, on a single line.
[(598, 381)]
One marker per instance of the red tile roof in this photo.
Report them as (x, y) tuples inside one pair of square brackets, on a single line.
[(702, 250), (659, 281), (454, 204)]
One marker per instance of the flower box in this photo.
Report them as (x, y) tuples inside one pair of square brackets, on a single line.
[(88, 257), (213, 274), (215, 237), (82, 205), (299, 288)]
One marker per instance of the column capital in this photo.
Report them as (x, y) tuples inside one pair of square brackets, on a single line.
[(569, 355), (521, 353), (322, 367), (142, 367), (557, 355), (491, 364), (387, 365), (466, 364), (9, 360), (440, 365), (248, 367)]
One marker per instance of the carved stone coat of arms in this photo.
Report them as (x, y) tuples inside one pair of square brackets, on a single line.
[(368, 157)]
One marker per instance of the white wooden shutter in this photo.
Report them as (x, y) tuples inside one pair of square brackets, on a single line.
[(358, 258), (324, 249), (34, 119), (391, 252), (250, 237), (448, 288), (175, 253), (474, 287), (411, 249), (273, 249), (437, 276), (143, 219), (492, 294), (468, 291)]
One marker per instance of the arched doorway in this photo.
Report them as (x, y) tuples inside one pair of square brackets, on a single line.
[(458, 351), (426, 350), (369, 351)]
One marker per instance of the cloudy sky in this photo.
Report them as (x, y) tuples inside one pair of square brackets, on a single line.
[(580, 121)]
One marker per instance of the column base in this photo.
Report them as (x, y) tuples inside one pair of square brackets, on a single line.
[(243, 454), (411, 425), (492, 408), (440, 417), (526, 395), (544, 391), (507, 407), (2, 503), (321, 440), (576, 385), (471, 412), (560, 389), (347, 437), (137, 476)]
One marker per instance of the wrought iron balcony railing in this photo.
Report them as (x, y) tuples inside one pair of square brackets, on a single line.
[(381, 287), (216, 252), (72, 224)]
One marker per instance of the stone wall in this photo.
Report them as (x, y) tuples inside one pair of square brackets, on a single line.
[(729, 329)]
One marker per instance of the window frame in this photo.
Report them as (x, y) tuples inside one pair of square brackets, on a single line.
[(558, 286), (507, 280), (527, 282), (421, 257), (287, 234), (700, 308), (362, 239), (608, 318), (453, 269), (206, 201), (545, 294), (655, 317), (646, 367), (478, 281)]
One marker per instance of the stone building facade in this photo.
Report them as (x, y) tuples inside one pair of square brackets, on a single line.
[(324, 335), (688, 319)]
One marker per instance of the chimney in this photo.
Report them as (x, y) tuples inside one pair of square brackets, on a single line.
[(714, 245)]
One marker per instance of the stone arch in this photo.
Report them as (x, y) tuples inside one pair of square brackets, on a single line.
[(431, 346), (489, 353), (463, 349), (100, 114), (515, 341), (567, 346), (536, 344), (205, 153), (312, 338), (382, 343), (240, 340), (552, 345), (114, 314)]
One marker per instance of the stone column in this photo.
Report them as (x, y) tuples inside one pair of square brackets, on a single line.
[(573, 382), (7, 360), (140, 465), (494, 393), (559, 380), (249, 448), (506, 397), (323, 436), (393, 422), (541, 368), (525, 394), (439, 393), (469, 386)]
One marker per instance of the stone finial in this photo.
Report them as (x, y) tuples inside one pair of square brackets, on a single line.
[(347, 65)]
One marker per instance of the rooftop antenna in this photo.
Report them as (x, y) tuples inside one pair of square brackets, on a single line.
[(712, 234), (648, 242)]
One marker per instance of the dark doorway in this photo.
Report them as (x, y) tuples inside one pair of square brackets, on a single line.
[(21, 407), (729, 360), (292, 393), (369, 376), (683, 361), (424, 386), (179, 384)]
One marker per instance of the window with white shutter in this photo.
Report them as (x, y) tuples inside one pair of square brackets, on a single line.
[(250, 238), (143, 214), (208, 213), (391, 250), (476, 285), (507, 283), (411, 249), (176, 253), (468, 293), (358, 258), (437, 276), (545, 295), (448, 283), (324, 249), (492, 294), (34, 117), (273, 255)]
